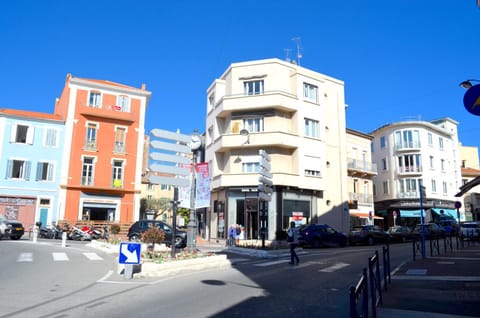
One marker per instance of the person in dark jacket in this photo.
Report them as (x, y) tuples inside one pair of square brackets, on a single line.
[(293, 242)]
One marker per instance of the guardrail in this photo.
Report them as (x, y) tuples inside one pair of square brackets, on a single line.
[(366, 295), (448, 242)]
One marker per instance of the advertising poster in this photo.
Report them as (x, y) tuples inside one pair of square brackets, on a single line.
[(202, 193)]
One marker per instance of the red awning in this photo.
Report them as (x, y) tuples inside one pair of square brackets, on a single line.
[(363, 215)]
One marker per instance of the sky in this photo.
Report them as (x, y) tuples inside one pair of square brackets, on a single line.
[(399, 60)]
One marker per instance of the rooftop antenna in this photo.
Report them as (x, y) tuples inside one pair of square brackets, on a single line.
[(287, 53), (297, 40)]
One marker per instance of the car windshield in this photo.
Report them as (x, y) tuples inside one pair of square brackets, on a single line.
[(2, 217)]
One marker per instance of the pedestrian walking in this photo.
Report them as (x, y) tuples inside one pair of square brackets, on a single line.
[(232, 233), (292, 239)]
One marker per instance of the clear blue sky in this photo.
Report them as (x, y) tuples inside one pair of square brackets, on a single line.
[(399, 59)]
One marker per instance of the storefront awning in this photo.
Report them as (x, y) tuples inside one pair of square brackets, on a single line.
[(363, 215), (449, 213), (411, 213)]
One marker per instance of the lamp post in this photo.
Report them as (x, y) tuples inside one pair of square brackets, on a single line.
[(195, 145)]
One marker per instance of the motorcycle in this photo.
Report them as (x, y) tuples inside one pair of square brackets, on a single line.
[(80, 234)]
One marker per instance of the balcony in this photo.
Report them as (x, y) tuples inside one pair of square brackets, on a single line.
[(119, 147), (111, 112), (262, 139), (361, 198), (90, 145), (413, 170), (361, 168), (409, 195), (408, 146)]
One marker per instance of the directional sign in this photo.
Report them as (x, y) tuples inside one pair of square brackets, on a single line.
[(129, 253), (265, 181), (176, 182), (264, 196)]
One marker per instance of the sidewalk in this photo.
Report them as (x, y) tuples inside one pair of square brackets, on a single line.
[(441, 286)]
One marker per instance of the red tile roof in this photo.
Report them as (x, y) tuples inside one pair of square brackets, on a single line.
[(30, 114)]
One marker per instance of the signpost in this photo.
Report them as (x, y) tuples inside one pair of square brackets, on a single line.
[(129, 255), (264, 191), (394, 218), (171, 161)]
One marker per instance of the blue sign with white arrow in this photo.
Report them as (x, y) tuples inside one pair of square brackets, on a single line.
[(129, 253)]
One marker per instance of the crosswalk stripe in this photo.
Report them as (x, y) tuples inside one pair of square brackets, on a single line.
[(334, 267), (271, 263), (60, 257), (25, 257), (93, 256)]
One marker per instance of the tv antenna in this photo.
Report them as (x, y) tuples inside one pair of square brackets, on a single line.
[(287, 54), (297, 40)]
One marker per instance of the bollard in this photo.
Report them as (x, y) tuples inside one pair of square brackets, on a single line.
[(128, 271), (64, 239), (35, 234)]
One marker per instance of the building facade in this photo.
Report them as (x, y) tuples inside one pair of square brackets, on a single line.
[(298, 117), (31, 148), (412, 154), (470, 171), (104, 127)]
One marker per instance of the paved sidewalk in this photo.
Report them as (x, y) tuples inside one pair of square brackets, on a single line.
[(441, 286)]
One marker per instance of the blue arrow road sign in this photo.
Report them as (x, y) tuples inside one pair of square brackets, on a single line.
[(129, 253)]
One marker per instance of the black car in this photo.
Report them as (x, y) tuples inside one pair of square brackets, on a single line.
[(368, 234), (135, 231), (432, 230), (402, 234), (317, 235), (11, 228)]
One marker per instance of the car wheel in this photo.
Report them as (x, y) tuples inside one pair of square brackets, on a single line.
[(370, 241), (179, 242), (317, 243), (15, 237), (134, 238)]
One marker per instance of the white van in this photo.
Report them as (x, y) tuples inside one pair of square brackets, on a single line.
[(470, 229)]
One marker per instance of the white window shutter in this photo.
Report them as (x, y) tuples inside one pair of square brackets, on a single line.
[(13, 133), (30, 135)]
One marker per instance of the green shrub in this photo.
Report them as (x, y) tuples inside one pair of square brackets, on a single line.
[(115, 229)]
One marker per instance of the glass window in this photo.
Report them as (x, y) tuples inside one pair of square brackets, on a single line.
[(117, 173), (94, 99), (440, 142), (18, 169), (382, 142), (310, 92), (253, 87), (87, 171), (120, 133), (51, 137), (250, 167), (430, 139), (91, 138), (45, 171), (124, 103), (311, 128), (434, 186), (253, 124)]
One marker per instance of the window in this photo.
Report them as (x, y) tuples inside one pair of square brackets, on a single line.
[(409, 163), (211, 101), (430, 139), (445, 189), (310, 92), (45, 171), (22, 134), (210, 135), (311, 128), (407, 139), (94, 99), (385, 187), (18, 169), (250, 167), (124, 102), (87, 170), (120, 133), (440, 143), (117, 173), (253, 124), (253, 87), (382, 142), (434, 186), (51, 137), (312, 173), (91, 138), (464, 163), (432, 163), (442, 164), (384, 164)]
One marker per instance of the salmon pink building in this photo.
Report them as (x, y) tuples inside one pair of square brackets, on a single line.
[(103, 151)]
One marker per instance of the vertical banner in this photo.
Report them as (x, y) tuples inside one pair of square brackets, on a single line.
[(202, 187)]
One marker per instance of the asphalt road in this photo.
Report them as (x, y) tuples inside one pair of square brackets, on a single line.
[(47, 286)]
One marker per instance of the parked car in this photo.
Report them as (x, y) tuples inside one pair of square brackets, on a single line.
[(470, 230), (401, 234), (450, 226), (432, 230), (317, 235), (136, 229), (368, 234), (10, 228)]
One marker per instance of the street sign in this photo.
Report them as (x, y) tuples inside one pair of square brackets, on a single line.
[(176, 182), (265, 179), (471, 100), (129, 253)]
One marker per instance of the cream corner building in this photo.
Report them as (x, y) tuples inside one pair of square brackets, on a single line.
[(298, 117)]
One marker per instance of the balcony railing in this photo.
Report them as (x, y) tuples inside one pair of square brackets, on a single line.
[(90, 145), (410, 170), (362, 166), (408, 145), (409, 194), (119, 147), (87, 181), (361, 198)]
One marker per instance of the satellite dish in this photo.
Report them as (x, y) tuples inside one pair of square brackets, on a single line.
[(244, 132)]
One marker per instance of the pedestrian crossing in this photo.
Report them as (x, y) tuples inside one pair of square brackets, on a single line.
[(324, 266), (28, 257)]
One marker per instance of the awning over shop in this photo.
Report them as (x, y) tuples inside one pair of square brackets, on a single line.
[(411, 213), (363, 215), (449, 213)]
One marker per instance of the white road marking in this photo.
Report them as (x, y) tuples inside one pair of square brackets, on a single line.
[(60, 257), (272, 263), (25, 257), (93, 256), (334, 267)]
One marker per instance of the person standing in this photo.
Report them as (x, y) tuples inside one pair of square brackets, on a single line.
[(232, 232), (292, 238)]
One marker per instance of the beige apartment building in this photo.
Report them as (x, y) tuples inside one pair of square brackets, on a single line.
[(298, 117), (470, 171), (361, 172)]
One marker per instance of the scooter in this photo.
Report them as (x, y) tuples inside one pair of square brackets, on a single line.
[(78, 234)]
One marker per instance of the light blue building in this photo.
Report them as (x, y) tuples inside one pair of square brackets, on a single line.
[(31, 149)]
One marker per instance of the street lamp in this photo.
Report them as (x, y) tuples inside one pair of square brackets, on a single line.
[(195, 145), (468, 83)]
